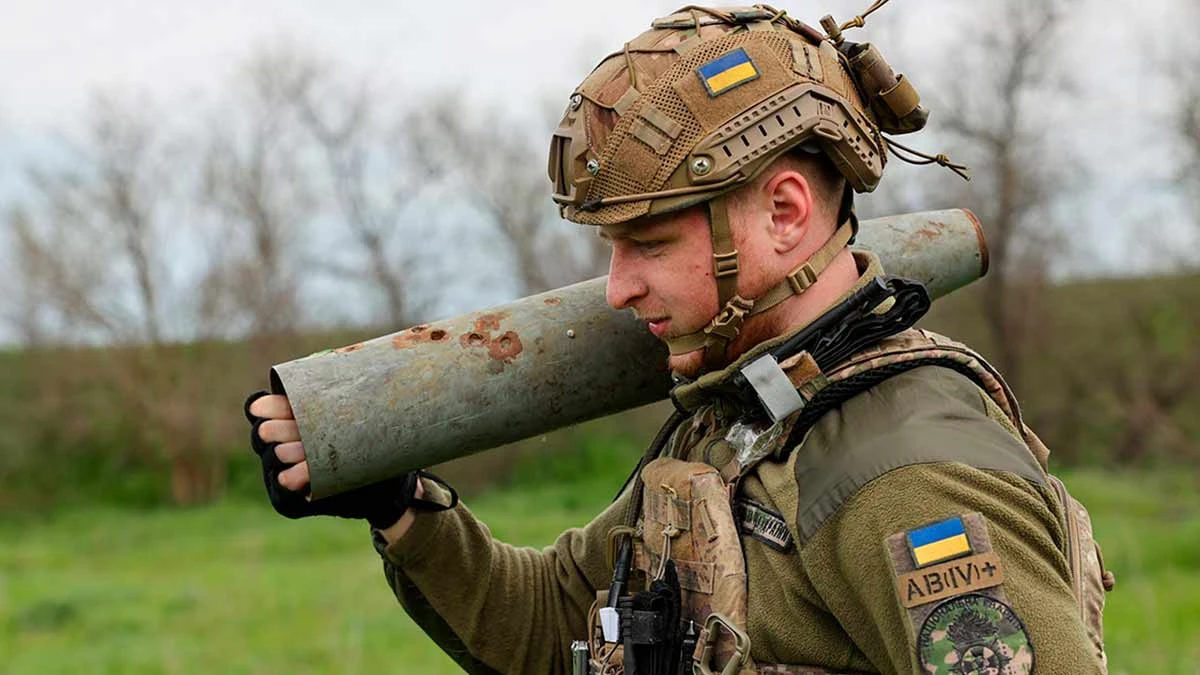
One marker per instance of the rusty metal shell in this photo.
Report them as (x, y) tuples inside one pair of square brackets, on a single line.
[(438, 391)]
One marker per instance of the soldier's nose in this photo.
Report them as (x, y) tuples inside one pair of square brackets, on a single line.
[(624, 287)]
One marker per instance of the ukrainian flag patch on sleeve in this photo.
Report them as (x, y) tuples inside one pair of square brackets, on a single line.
[(727, 71), (939, 541)]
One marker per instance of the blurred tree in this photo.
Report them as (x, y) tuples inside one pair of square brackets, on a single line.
[(999, 103), (497, 161), (24, 302), (1185, 122), (94, 261), (90, 248), (259, 179), (375, 172), (1161, 378), (1167, 378)]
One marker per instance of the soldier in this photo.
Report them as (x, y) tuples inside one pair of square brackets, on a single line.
[(838, 493)]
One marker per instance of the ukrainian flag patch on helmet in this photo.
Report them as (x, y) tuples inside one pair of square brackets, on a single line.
[(939, 541), (727, 71)]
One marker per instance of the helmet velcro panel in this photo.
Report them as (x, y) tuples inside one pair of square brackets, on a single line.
[(766, 51), (630, 166)]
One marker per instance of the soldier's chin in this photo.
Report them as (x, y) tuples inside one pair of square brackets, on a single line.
[(687, 364)]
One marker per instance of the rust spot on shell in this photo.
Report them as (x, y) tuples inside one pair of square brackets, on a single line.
[(506, 347), (933, 230), (553, 301), (416, 335), (348, 349), (489, 322), (473, 339)]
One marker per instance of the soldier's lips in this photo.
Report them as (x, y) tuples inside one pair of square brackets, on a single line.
[(658, 326)]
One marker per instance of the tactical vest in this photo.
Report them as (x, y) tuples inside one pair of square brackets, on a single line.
[(688, 515)]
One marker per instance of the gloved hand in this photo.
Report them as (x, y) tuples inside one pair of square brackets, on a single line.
[(380, 504)]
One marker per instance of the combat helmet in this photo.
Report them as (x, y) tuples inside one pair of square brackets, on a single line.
[(700, 104)]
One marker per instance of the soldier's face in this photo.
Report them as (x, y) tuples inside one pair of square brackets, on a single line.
[(661, 268)]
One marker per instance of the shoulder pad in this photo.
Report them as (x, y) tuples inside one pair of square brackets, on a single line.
[(927, 415)]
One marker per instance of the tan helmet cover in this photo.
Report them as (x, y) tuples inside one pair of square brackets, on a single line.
[(703, 101)]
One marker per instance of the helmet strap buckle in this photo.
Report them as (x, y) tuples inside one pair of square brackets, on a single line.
[(728, 322), (801, 279), (725, 264)]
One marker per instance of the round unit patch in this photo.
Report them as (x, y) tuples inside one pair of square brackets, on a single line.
[(974, 634)]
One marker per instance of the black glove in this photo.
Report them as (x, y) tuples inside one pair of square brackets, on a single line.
[(380, 504)]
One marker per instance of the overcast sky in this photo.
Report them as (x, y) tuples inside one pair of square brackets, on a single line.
[(54, 53)]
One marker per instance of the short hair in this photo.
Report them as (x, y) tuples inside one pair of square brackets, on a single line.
[(826, 181)]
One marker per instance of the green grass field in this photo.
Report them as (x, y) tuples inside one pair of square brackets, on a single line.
[(234, 589)]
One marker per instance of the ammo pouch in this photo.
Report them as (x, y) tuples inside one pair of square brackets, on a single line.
[(686, 539)]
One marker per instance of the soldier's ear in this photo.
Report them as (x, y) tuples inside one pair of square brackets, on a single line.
[(789, 200)]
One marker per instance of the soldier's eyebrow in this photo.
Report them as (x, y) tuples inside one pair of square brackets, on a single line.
[(621, 233), (639, 229)]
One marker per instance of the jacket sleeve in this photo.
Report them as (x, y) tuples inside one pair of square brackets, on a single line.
[(494, 607), (852, 569), (931, 458)]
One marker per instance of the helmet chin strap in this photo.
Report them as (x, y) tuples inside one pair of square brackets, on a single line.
[(725, 326)]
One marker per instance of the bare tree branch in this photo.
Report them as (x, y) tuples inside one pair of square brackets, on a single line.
[(499, 161), (1001, 122), (126, 196), (257, 178), (344, 121), (90, 243), (1185, 123)]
